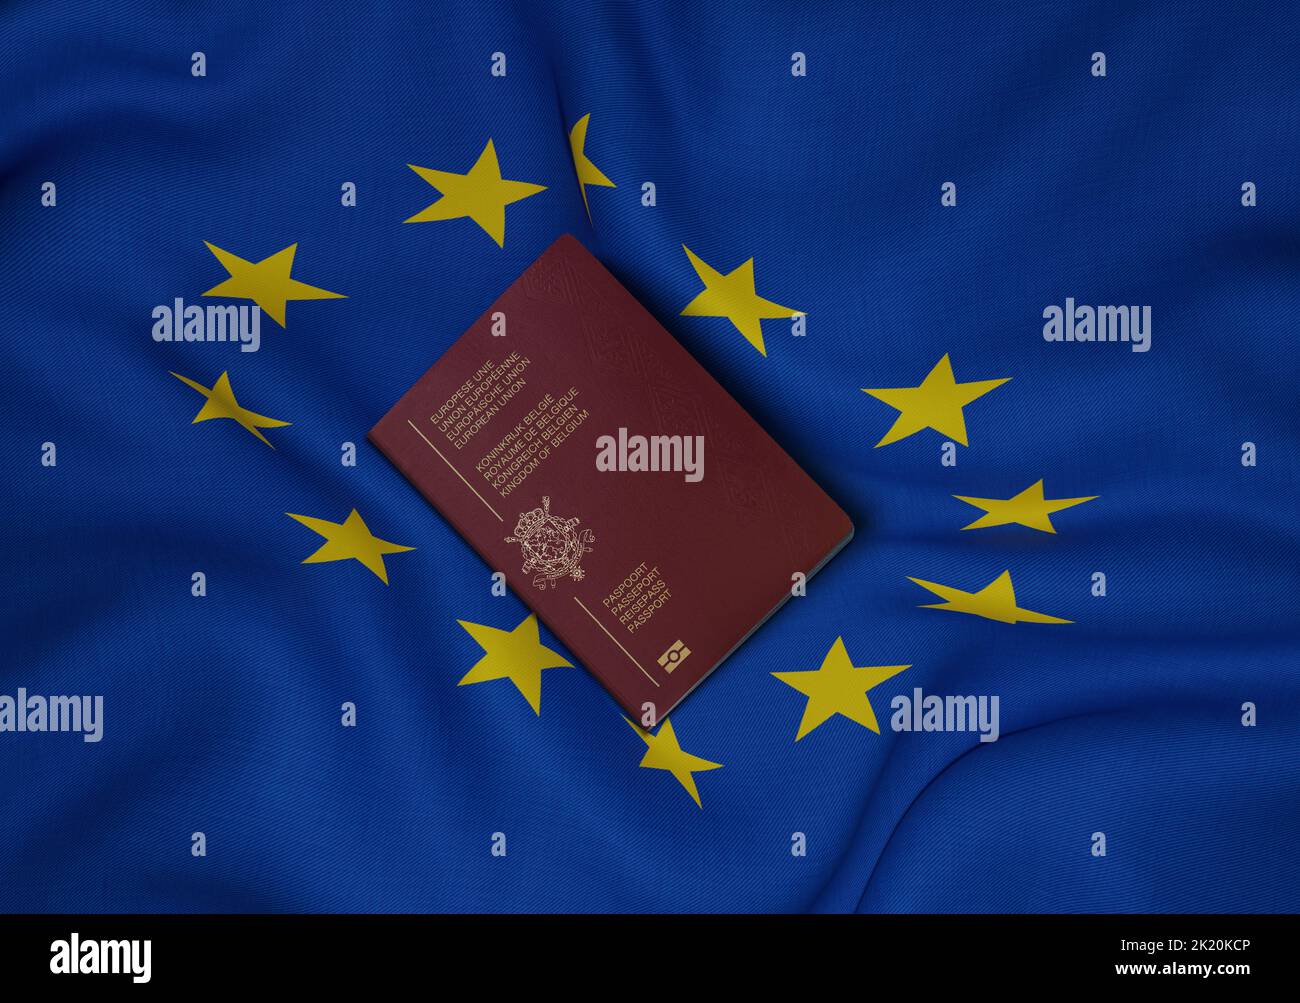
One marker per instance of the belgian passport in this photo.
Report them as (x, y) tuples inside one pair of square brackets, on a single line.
[(626, 496)]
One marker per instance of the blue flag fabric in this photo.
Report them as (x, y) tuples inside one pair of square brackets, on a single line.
[(920, 182)]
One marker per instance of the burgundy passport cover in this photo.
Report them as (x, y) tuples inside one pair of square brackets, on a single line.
[(650, 578)]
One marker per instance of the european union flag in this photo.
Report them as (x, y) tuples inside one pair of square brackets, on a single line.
[(1014, 283)]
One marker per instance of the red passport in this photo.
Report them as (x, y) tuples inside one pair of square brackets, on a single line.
[(629, 500)]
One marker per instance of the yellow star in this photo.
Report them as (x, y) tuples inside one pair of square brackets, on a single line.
[(663, 753), (838, 687), (266, 282), (732, 296), (482, 194), (517, 655), (350, 539), (1029, 508), (937, 403), (221, 403), (588, 173), (995, 601)]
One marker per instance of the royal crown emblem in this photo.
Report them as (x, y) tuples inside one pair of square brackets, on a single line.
[(551, 546)]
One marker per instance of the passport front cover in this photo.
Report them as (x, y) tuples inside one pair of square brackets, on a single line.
[(629, 500)]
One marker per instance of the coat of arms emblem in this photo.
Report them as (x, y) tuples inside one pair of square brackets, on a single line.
[(551, 546)]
